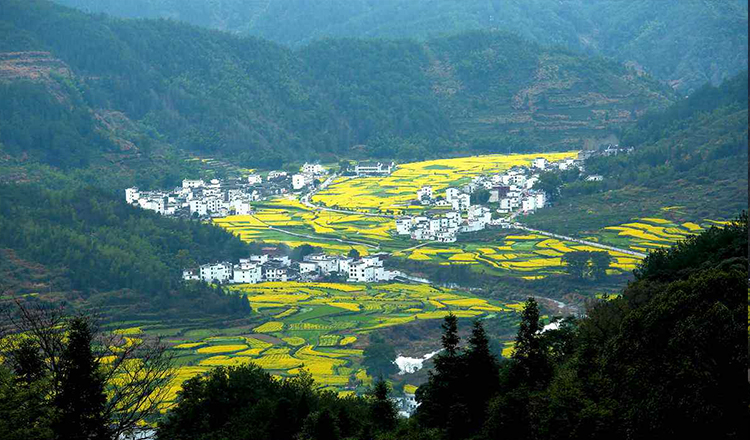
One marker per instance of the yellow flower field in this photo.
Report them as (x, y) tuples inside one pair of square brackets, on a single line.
[(392, 193)]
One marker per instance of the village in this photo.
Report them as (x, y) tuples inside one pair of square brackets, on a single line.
[(486, 201), (280, 268), (511, 192), (216, 198)]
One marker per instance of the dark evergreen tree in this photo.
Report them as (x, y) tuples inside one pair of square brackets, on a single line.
[(532, 364), (81, 400), (482, 381), (383, 413), (441, 399)]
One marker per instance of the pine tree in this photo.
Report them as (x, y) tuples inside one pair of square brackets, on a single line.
[(440, 398), (532, 365), (482, 380), (81, 400), (383, 411)]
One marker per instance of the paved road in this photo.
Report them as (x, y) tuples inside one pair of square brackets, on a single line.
[(578, 240)]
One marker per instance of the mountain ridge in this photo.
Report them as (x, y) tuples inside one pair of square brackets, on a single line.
[(259, 103), (685, 43)]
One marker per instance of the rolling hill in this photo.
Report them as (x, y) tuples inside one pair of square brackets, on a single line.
[(128, 88), (684, 42)]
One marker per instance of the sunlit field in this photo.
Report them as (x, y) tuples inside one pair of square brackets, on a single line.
[(319, 327), (392, 194)]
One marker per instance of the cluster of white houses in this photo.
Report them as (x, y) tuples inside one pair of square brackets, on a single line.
[(198, 197), (445, 228), (219, 198), (509, 192), (264, 268), (308, 174)]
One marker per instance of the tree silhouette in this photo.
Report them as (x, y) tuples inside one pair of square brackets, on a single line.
[(81, 400)]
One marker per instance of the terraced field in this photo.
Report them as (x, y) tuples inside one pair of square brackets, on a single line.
[(320, 327), (286, 220), (392, 194), (646, 234)]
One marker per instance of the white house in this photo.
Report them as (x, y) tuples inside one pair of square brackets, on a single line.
[(157, 204), (451, 194), (403, 226), (541, 199), (345, 264), (187, 183), (282, 260), (242, 207), (276, 175), (217, 272), (131, 195), (259, 259), (254, 179), (198, 206), (247, 274), (461, 202), (370, 168), (317, 169), (298, 182), (595, 178), (306, 267), (540, 163), (272, 272), (424, 193), (190, 275), (528, 204)]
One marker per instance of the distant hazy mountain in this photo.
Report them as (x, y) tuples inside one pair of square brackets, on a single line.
[(75, 84), (684, 42)]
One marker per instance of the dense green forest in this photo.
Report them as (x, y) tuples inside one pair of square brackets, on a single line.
[(87, 245), (692, 156), (684, 42), (146, 84), (665, 359)]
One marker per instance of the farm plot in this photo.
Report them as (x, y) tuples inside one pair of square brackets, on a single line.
[(646, 234), (528, 256), (285, 220), (393, 193), (322, 333)]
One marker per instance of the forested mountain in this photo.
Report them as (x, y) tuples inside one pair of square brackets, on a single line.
[(126, 87), (685, 42), (692, 157)]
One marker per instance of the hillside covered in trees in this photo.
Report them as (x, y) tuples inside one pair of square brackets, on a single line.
[(692, 157), (684, 42), (88, 249), (123, 89)]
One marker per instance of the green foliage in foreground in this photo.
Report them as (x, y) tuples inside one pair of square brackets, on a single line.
[(248, 403)]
